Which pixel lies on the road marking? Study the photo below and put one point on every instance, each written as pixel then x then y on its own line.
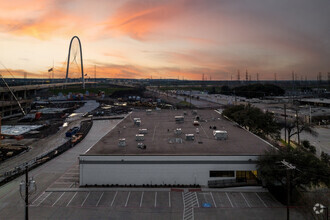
pixel 230 201
pixel 246 200
pixel 169 199
pixel 129 193
pixel 261 200
pixel 141 199
pixel 58 199
pixel 38 198
pixel 155 199
pixel 44 198
pixel 204 132
pixel 153 136
pixel 113 200
pixel 85 199
pixel 71 199
pixel 215 205
pixel 99 199
pixel 197 199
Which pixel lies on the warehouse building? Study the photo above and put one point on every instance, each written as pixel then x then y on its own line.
pixel 173 147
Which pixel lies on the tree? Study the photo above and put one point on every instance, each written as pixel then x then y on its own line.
pixel 325 158
pixel 310 171
pixel 295 127
pixel 254 120
pixel 305 144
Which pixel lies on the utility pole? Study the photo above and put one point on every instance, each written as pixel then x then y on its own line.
pixel 288 168
pixel 297 121
pixel 285 123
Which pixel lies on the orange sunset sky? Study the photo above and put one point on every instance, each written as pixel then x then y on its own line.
pixel 167 39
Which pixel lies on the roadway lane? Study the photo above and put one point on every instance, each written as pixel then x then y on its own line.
pixel 11 204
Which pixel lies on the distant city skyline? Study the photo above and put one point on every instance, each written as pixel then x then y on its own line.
pixel 179 39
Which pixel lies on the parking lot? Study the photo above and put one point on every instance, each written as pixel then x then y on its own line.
pixel 154 199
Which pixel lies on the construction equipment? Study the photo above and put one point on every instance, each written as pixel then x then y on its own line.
pixel 19 104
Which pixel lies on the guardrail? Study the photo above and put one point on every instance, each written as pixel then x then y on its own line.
pixel 5 177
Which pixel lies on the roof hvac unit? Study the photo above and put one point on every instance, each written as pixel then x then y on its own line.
pixel 139 137
pixel 143 131
pixel 220 135
pixel 122 142
pixel 179 119
pixel 141 146
pixel 148 111
pixel 178 131
pixel 137 121
pixel 190 137
pixel 196 123
pixel 194 112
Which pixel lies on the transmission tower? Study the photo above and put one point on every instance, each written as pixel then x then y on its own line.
pixel 238 76
pixel 246 76
pixel 257 77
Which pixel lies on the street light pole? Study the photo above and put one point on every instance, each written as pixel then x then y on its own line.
pixel 29 187
pixel 26 193
pixel 288 167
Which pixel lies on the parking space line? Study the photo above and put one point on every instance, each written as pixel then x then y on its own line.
pixel 129 193
pixel 245 200
pixel 85 199
pixel 113 200
pixel 58 199
pixel 71 199
pixel 44 198
pixel 38 198
pixel 230 201
pixel 197 199
pixel 169 199
pixel 99 199
pixel 215 205
pixel 141 199
pixel 155 199
pixel 261 200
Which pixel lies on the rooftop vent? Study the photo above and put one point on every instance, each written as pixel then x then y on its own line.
pixel 190 137
pixel 122 142
pixel 141 146
pixel 137 121
pixel 179 119
pixel 143 131
pixel 175 141
pixel 220 135
pixel 148 111
pixel 196 123
pixel 178 131
pixel 139 137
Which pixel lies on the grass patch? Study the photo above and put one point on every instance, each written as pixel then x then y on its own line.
pixel 185 104
pixel 107 90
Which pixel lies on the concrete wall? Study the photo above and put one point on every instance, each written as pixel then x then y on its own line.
pixel 158 169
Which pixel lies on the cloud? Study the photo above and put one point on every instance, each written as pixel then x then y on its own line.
pixel 18 73
pixel 139 19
